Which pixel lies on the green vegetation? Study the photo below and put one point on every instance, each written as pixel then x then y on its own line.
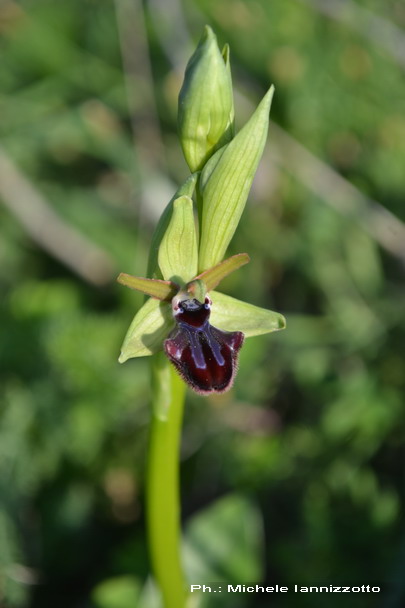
pixel 307 449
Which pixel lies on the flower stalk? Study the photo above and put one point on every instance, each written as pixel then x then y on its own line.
pixel 162 491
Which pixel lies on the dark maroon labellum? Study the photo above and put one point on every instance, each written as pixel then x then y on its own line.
pixel 205 356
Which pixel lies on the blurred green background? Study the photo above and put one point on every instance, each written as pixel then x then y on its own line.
pixel 297 475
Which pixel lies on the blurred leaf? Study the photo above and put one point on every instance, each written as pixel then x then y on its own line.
pixel 224 543
pixel 119 592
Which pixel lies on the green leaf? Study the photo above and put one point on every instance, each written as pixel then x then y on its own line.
pixel 151 596
pixel 225 191
pixel 117 592
pixel 224 543
pixel 230 314
pixel 178 251
pixel 213 276
pixel 151 325
pixel 187 188
pixel 206 114
pixel 161 290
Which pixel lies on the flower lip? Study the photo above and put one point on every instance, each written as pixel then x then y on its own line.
pixel 205 356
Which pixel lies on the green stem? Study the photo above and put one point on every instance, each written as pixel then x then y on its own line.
pixel 163 508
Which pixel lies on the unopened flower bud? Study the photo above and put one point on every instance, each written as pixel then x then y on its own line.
pixel 206 113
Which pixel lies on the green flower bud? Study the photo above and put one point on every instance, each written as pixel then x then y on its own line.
pixel 178 251
pixel 185 189
pixel 206 113
pixel 225 184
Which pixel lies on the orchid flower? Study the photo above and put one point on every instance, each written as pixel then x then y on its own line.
pixel 202 330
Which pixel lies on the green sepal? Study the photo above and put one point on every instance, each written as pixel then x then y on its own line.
pixel 149 328
pixel 213 276
pixel 205 117
pixel 161 290
pixel 230 314
pixel 178 251
pixel 225 190
pixel 187 188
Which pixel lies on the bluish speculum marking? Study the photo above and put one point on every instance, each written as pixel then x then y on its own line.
pixel 206 357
